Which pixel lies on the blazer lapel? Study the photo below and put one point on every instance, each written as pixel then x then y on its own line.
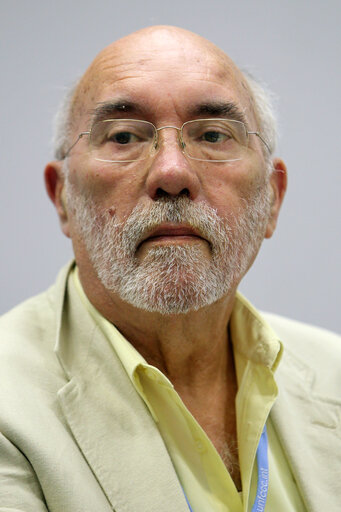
pixel 308 426
pixel 110 422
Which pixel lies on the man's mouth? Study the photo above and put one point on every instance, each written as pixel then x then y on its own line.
pixel 172 233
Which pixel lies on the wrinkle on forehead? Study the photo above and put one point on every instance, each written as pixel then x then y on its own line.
pixel 153 50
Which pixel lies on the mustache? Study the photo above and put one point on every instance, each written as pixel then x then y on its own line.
pixel 178 210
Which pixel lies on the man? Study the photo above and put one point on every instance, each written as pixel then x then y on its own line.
pixel 142 381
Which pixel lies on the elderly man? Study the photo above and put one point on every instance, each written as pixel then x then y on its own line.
pixel 142 380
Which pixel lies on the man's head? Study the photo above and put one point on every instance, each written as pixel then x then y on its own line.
pixel 167 233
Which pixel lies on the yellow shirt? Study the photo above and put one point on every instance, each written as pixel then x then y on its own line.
pixel 203 476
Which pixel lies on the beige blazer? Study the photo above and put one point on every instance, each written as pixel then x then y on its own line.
pixel 75 436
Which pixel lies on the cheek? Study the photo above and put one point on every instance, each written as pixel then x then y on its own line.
pixel 108 186
pixel 228 187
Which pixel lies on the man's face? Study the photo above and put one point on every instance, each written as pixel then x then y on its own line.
pixel 166 234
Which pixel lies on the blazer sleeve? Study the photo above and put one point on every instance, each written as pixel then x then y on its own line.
pixel 19 487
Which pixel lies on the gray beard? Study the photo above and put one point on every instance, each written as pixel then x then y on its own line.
pixel 171 279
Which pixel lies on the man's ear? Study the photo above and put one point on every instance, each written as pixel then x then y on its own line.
pixel 54 183
pixel 278 185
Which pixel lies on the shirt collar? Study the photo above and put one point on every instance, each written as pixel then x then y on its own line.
pixel 252 337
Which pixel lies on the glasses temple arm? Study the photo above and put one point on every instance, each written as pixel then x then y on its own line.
pixel 73 145
pixel 261 138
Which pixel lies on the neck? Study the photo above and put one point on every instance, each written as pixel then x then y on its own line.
pixel 188 348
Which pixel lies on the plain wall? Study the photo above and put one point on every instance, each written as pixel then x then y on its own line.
pixel 294 46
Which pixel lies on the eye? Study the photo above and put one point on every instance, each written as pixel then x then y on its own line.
pixel 214 137
pixel 123 137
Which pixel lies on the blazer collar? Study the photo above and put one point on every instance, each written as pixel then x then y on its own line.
pixel 308 426
pixel 109 421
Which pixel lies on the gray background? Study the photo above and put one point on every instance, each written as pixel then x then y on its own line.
pixel 294 46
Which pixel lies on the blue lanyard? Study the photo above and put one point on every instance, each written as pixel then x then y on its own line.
pixel 263 475
pixel 189 506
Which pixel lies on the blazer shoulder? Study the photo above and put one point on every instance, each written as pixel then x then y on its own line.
pixel 293 331
pixel 27 317
pixel 36 315
pixel 307 347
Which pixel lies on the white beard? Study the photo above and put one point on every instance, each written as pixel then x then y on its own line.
pixel 171 279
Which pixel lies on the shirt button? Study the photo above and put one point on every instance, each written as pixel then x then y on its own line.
pixel 200 446
pixel 151 374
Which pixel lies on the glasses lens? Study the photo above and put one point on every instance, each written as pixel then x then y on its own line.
pixel 121 140
pixel 215 139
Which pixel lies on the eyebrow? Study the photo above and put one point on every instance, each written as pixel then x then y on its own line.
pixel 107 109
pixel 226 109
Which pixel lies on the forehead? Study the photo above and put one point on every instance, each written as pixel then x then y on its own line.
pixel 164 71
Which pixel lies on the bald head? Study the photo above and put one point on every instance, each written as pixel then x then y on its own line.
pixel 159 46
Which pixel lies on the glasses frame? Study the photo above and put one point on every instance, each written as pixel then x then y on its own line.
pixel 180 131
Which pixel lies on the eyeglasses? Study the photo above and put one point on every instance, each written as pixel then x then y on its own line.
pixel 206 140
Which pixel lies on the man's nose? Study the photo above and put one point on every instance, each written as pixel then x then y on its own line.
pixel 170 172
